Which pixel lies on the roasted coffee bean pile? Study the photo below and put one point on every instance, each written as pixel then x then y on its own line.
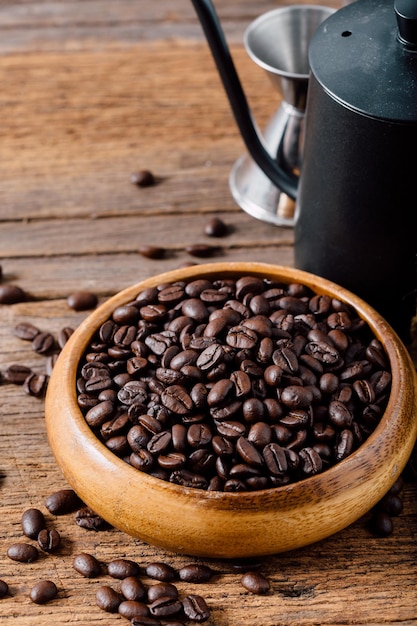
pixel 381 522
pixel 233 385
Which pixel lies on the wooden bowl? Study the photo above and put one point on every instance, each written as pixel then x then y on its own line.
pixel 240 524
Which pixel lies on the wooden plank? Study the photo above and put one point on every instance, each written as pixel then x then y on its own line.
pixel 125 233
pixel 56 141
pixel 45 278
pixel 89 24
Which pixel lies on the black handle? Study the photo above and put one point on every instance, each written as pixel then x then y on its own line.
pixel 206 13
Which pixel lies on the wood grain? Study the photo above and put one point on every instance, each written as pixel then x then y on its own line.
pixel 91 91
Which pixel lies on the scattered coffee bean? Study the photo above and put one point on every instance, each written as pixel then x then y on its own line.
pixel 11 294
pixel 87 565
pixel 195 608
pixel 123 568
pixel 381 524
pixel 22 552
pixel 165 607
pixel 33 521
pixel 107 599
pixel 250 565
pixel 49 540
pixel 87 518
pixel 195 573
pixel 63 335
pixel 26 331
pixel 50 362
pixel 82 300
pixel 161 571
pixel 143 178
pixel 4 589
pixel 44 591
pixel 216 228
pixel 391 504
pixel 130 609
pixel 63 501
pixel 152 252
pixel 255 582
pixel 36 385
pixel 43 343
pixel 16 374
pixel 162 590
pixel 133 588
pixel 201 250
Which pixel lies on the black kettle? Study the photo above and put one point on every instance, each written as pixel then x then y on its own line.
pixel 356 196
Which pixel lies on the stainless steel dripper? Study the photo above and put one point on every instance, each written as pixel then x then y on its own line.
pixel 278 41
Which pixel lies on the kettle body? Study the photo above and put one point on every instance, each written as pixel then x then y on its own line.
pixel 356 215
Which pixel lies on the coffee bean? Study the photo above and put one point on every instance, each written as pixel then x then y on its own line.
pixel 162 590
pixel 195 608
pixel 123 568
pixel 22 552
pixel 87 565
pixel 195 573
pixel 11 294
pixel 43 592
pixel 131 608
pixel 247 565
pixel 62 502
pixel 63 335
pixel 381 524
pixel 311 461
pixel 36 385
pixel 26 331
pixel 392 504
pixel 43 343
pixel 4 589
pixel 143 178
pixel 255 582
pixel 161 571
pixel 165 607
pixel 49 540
pixel 87 518
pixel 50 362
pixel 201 250
pixel 152 252
pixel 132 588
pixel 215 227
pixel 107 599
pixel 33 521
pixel 16 374
pixel 82 300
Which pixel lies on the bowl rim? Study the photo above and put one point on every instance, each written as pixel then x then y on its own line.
pixel 337 474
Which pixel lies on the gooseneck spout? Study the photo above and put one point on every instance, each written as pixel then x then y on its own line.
pixel 286 181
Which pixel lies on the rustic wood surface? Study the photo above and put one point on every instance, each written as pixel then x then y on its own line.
pixel 92 91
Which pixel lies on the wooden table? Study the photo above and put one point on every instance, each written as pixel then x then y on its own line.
pixel 92 91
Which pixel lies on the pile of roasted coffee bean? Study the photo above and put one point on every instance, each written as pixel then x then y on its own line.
pixel 233 385
pixel 49 346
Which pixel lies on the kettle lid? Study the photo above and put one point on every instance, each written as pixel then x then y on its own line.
pixel 365 56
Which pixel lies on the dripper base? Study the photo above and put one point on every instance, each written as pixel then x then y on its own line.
pixel 257 195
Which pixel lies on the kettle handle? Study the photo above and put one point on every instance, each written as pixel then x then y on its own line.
pixel 286 181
